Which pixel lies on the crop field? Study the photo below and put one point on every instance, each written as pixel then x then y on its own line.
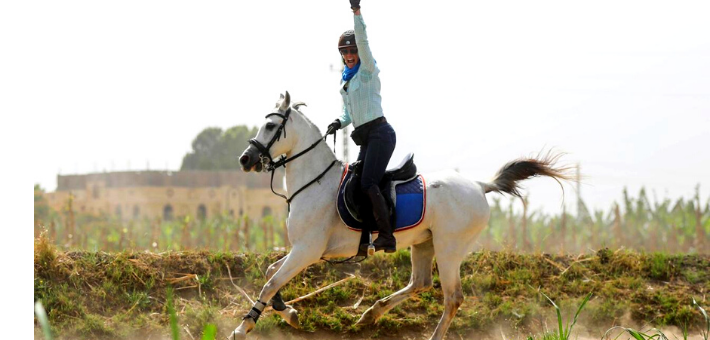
pixel 125 295
pixel 638 223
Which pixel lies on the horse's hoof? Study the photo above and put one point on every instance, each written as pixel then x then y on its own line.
pixel 367 318
pixel 237 336
pixel 292 318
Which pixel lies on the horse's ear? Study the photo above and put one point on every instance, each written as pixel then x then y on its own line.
pixel 285 102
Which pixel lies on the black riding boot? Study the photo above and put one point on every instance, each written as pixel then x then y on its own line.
pixel 385 241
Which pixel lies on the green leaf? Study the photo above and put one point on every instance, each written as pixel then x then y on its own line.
pixel 707 320
pixel 637 335
pixel 43 320
pixel 574 321
pixel 210 332
pixel 175 332
pixel 559 317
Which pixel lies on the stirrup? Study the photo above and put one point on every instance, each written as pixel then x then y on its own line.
pixel 366 249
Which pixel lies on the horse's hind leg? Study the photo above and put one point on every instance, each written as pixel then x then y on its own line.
pixel 422 256
pixel 449 262
pixel 288 313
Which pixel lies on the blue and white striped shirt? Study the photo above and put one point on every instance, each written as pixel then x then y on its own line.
pixel 362 101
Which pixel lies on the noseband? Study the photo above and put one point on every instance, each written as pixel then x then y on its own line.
pixel 264 150
pixel 272 166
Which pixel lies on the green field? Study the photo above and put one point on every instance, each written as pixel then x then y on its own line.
pixel 90 295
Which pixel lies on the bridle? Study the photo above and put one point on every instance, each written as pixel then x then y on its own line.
pixel 283 160
pixel 264 150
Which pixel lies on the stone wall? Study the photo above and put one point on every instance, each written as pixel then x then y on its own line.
pixel 166 195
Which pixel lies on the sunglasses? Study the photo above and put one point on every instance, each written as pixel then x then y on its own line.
pixel 345 51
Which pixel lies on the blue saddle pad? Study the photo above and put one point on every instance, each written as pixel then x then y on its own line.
pixel 410 205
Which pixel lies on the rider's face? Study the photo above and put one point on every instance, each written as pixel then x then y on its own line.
pixel 350 56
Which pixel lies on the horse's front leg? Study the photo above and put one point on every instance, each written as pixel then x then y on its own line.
pixel 297 260
pixel 288 313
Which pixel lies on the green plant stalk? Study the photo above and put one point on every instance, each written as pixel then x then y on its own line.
pixel 43 320
pixel 636 334
pixel 574 320
pixel 175 332
pixel 210 332
pixel 705 332
pixel 565 333
pixel 561 333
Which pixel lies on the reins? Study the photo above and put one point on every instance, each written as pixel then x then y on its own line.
pixel 345 261
pixel 281 162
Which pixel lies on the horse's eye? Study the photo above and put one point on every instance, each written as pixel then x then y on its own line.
pixel 270 126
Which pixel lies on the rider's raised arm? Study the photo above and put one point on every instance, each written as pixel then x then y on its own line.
pixel 363 47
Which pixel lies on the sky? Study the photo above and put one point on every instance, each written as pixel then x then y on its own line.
pixel 623 88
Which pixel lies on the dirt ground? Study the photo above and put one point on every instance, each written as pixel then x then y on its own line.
pixel 127 295
pixel 580 333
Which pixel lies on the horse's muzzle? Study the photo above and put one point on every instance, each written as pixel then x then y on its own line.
pixel 250 160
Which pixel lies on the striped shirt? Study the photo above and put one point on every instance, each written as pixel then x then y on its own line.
pixel 362 101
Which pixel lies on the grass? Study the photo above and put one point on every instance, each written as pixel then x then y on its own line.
pixel 172 316
pixel 208 333
pixel 43 320
pixel 706 331
pixel 651 334
pixel 564 332
pixel 91 295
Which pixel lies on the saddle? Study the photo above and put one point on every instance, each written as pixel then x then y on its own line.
pixel 356 201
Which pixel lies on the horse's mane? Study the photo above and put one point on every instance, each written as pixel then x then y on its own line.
pixel 296 106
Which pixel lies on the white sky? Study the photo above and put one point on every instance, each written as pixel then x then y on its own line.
pixel 623 87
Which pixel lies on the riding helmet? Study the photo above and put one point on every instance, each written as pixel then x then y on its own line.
pixel 347 39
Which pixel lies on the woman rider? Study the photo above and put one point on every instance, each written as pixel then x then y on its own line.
pixel 360 88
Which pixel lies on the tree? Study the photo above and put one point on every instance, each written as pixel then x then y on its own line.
pixel 214 149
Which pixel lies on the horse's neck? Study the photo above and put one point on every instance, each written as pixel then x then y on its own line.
pixel 308 166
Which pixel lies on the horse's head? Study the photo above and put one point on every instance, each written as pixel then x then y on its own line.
pixel 271 140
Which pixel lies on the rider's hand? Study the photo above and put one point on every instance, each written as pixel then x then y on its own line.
pixel 334 126
pixel 355 4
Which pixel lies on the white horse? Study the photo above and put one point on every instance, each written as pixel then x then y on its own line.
pixel 456 212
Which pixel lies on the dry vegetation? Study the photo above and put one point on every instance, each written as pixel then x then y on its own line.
pixel 91 295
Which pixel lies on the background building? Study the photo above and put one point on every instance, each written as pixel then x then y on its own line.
pixel 132 195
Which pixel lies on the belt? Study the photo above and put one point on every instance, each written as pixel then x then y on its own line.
pixel 374 122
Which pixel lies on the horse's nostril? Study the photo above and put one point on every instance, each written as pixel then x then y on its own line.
pixel 244 160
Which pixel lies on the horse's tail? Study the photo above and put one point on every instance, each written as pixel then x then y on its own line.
pixel 523 168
